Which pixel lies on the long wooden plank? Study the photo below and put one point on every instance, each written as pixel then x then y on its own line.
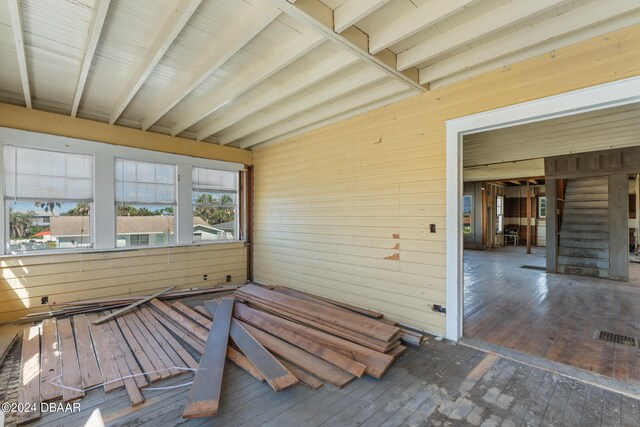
pixel 89 369
pixel 362 340
pixel 130 307
pixel 104 355
pixel 300 341
pixel 71 376
pixel 29 389
pixel 304 377
pixel 120 358
pixel 376 362
pixel 196 316
pixel 132 364
pixel 8 337
pixel 204 397
pixel 193 342
pixel 150 344
pixel 188 324
pixel 202 317
pixel 327 301
pixel 352 321
pixel 314 365
pixel 276 375
pixel 158 338
pixel 239 359
pixel 148 360
pixel 149 320
pixel 50 364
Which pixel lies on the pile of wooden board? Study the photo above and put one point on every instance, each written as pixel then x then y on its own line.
pixel 279 336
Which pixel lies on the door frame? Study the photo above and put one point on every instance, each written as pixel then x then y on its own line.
pixel 613 94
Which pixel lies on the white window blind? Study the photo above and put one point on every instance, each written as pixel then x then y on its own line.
pixel 47 175
pixel 210 180
pixel 145 183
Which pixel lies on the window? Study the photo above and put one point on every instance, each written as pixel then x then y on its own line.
pixel 500 214
pixel 145 203
pixel 467 208
pixel 542 207
pixel 48 196
pixel 215 204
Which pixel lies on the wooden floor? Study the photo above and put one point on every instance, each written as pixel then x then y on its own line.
pixel 549 315
pixel 439 384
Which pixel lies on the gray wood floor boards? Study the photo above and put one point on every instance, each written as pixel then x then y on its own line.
pixel 438 385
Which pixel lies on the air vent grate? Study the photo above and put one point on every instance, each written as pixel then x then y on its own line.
pixel 616 338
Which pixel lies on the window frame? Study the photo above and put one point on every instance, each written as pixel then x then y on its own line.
pixel 103 207
pixel 236 216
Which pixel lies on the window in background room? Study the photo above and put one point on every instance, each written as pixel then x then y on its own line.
pixel 467 208
pixel 145 203
pixel 215 205
pixel 500 213
pixel 542 207
pixel 48 198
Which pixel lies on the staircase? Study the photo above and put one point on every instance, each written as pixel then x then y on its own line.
pixel 584 231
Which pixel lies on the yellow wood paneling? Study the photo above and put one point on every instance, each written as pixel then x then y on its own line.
pixel 344 211
pixel 72 277
pixel 12 116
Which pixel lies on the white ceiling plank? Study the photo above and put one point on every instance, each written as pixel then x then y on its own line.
pixel 353 11
pixel 317 15
pixel 496 20
pixel 340 117
pixel 18 38
pixel 544 48
pixel 243 32
pixel 337 89
pixel 179 17
pixel 361 99
pixel 316 73
pixel 580 18
pixel 252 76
pixel 97 22
pixel 407 25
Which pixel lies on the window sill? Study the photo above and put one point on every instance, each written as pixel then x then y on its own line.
pixel 115 250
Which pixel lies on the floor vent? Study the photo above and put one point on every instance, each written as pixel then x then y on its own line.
pixel 534 267
pixel 616 338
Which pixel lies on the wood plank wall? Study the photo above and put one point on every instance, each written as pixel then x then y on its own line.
pixel 71 277
pixel 344 211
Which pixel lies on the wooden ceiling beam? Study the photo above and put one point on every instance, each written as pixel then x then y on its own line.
pixel 579 18
pixel 348 84
pixel 15 14
pixel 353 11
pixel 299 82
pixel 216 56
pixel 249 78
pixel 363 99
pixel 481 26
pixel 97 22
pixel 316 14
pixel 418 19
pixel 164 38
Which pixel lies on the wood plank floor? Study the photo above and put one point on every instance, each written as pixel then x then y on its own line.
pixel 551 315
pixel 439 384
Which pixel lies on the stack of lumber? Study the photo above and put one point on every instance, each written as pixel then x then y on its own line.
pixel 278 336
pixel 93 305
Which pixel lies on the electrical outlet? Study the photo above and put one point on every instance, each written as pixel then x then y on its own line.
pixel 432 228
pixel 205 277
pixel 228 278
pixel 438 308
pixel 44 300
